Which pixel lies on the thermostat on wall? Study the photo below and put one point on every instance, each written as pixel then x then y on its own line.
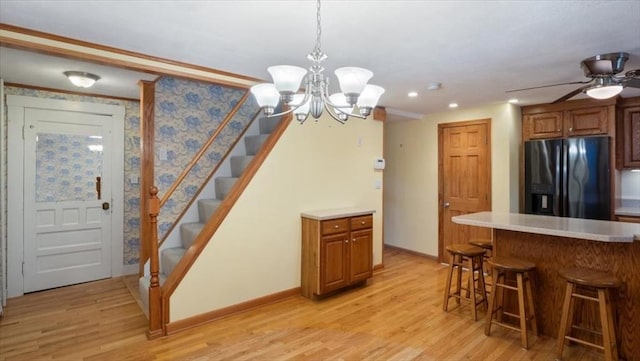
pixel 378 163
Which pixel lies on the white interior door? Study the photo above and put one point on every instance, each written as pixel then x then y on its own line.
pixel 67 198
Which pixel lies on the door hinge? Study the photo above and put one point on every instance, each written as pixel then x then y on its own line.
pixel 22 268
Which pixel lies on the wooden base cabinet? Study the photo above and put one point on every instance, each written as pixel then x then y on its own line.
pixel 336 252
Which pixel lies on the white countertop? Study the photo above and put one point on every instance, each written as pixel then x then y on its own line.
pixel 604 231
pixel 324 214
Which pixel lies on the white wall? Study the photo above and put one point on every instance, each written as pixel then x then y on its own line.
pixel 256 251
pixel 411 176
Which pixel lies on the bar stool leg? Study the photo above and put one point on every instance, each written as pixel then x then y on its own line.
pixel 532 311
pixel 523 314
pixel 492 303
pixel 447 288
pixel 471 288
pixel 606 317
pixel 566 317
pixel 458 259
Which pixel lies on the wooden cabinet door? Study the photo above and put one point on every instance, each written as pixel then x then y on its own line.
pixel 587 121
pixel 629 219
pixel 543 125
pixel 631 138
pixel 360 259
pixel 334 273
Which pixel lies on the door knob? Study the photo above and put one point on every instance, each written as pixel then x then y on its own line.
pixel 105 206
pixel 446 204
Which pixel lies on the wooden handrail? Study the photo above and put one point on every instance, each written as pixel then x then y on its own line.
pixel 203 149
pixel 155 292
pixel 200 242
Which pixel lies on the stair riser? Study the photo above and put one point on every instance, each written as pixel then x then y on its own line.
pixel 206 209
pixel 239 164
pixel 223 186
pixel 268 125
pixel 189 232
pixel 254 142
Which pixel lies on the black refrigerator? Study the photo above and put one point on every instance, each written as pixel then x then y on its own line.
pixel 568 177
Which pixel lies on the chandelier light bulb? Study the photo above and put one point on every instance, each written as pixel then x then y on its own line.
pixel 369 98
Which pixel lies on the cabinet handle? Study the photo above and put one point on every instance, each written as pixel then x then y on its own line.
pixel 346 241
pixel 362 223
pixel 336 226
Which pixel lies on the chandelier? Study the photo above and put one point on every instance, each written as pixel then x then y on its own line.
pixel 287 80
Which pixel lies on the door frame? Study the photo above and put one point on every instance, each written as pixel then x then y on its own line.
pixel 15 197
pixel 441 127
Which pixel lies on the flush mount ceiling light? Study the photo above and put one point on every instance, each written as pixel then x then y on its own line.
pixel 604 88
pixel 81 79
pixel 287 80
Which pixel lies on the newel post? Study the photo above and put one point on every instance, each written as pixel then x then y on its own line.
pixel 155 295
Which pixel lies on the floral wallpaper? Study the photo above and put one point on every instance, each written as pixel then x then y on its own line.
pixel 131 161
pixel 186 114
pixel 67 166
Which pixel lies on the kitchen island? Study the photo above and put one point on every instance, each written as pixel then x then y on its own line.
pixel 553 243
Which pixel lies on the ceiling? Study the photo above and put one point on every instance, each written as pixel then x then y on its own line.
pixel 476 49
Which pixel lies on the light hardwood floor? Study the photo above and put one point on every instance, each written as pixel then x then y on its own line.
pixel 397 316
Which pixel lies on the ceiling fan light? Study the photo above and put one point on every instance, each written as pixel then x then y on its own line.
pixel 604 92
pixel 81 79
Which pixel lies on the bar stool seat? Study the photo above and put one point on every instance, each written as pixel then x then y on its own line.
pixel 602 283
pixel 526 312
pixel 470 256
pixel 485 244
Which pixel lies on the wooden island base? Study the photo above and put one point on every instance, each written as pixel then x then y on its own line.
pixel 551 253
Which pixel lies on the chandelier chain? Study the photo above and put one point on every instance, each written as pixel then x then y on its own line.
pixel 319 29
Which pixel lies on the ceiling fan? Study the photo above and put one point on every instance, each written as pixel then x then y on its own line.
pixel 604 83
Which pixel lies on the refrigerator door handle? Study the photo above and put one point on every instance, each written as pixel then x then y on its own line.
pixel 563 155
pixel 558 181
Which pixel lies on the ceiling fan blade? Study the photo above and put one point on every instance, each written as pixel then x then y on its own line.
pixel 547 86
pixel 633 82
pixel 569 95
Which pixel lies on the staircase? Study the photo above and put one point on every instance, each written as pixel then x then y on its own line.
pixel 206 207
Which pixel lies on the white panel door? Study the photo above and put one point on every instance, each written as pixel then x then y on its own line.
pixel 67 198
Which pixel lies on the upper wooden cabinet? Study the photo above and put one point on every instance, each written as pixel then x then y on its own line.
pixel 563 123
pixel 543 125
pixel 629 138
pixel 586 121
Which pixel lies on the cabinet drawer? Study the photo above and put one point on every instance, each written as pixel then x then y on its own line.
pixel 361 222
pixel 335 225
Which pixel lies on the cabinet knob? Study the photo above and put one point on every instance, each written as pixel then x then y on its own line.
pixel 362 223
pixel 346 241
pixel 354 239
pixel 336 226
pixel 571 129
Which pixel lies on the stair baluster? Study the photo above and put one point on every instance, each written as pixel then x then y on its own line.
pixel 155 292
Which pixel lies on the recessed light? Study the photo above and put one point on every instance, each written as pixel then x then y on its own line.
pixel 453 105
pixel 412 94
pixel 513 101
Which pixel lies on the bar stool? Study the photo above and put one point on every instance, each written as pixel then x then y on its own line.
pixel 580 279
pixel 485 244
pixel 471 257
pixel 521 268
